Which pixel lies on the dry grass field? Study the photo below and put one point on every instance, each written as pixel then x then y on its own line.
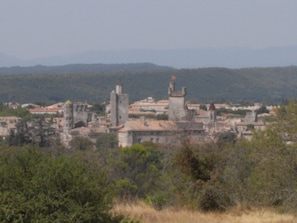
pixel 147 214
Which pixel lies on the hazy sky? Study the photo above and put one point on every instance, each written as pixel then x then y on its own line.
pixel 42 28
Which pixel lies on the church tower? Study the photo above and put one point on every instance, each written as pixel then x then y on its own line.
pixel 176 101
pixel 119 103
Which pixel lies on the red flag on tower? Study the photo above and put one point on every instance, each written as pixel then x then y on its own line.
pixel 173 77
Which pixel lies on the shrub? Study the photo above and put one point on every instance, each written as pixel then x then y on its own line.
pixel 39 187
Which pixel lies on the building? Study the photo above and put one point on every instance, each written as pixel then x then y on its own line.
pixel 8 125
pixel 77 118
pixel 159 131
pixel 150 105
pixel 177 109
pixel 46 110
pixel 185 123
pixel 246 127
pixel 119 103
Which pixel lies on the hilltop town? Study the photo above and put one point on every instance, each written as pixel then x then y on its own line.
pixel 170 121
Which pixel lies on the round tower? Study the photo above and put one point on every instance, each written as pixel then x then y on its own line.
pixel 68 117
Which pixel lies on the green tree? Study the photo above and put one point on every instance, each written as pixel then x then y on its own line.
pixel 33 130
pixel 138 171
pixel 106 141
pixel 162 117
pixel 203 107
pixel 275 149
pixel 262 109
pixel 81 143
pixel 226 137
pixel 98 108
pixel 196 169
pixel 40 187
pixel 19 112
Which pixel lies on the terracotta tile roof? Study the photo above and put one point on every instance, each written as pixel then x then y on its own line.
pixel 81 130
pixel 46 110
pixel 202 112
pixel 149 125
pixel 250 123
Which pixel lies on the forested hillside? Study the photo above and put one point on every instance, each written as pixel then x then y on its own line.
pixel 204 84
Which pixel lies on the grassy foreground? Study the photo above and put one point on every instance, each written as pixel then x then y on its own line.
pixel 147 214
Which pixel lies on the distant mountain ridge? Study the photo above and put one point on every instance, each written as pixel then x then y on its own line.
pixel 272 84
pixel 230 57
pixel 81 68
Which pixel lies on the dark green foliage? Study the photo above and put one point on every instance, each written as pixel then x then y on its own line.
pixel 228 137
pixel 39 187
pixel 138 171
pixel 240 112
pixel 262 110
pixel 19 112
pixel 81 68
pixel 204 84
pixel 162 117
pixel 81 143
pixel 98 109
pixel 33 130
pixel 21 136
pixel 150 116
pixel 203 107
pixel 146 116
pixel 106 141
pixel 198 168
pixel 197 186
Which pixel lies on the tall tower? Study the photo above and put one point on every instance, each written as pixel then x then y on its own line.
pixel 68 117
pixel 80 113
pixel 119 103
pixel 176 102
pixel 212 112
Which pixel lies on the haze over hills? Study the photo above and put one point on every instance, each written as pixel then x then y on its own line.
pixel 92 75
pixel 234 57
pixel 81 68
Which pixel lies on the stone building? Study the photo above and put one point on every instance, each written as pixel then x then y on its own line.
pixel 212 112
pixel 8 125
pixel 251 116
pixel 76 120
pixel 68 117
pixel 75 115
pixel 172 131
pixel 119 103
pixel 159 131
pixel 177 109
pixel 246 127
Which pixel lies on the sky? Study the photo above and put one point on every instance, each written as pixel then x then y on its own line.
pixel 44 28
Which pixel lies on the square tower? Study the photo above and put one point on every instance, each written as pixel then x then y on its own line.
pixel 119 103
pixel 176 102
